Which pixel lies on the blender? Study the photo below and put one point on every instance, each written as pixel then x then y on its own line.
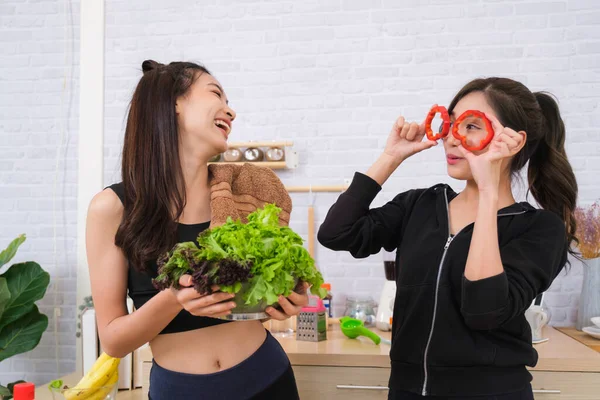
pixel 383 320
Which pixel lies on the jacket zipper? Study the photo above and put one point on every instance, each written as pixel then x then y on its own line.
pixel 437 286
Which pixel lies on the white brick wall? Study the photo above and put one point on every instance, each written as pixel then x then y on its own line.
pixel 34 114
pixel 330 75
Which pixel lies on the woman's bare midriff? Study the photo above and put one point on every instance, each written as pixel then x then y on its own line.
pixel 208 350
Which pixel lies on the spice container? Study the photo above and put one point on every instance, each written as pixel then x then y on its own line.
pixel 327 299
pixel 275 154
pixel 232 155
pixel 283 328
pixel 361 308
pixel 253 154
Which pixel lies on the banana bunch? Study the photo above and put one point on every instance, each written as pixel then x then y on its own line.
pixel 98 381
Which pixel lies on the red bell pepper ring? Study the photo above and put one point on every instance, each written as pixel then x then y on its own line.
pixel 445 124
pixel 463 140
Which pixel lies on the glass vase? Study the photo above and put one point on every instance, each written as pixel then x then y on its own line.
pixel 589 302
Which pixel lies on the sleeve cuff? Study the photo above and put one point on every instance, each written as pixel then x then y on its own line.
pixel 485 296
pixel 363 188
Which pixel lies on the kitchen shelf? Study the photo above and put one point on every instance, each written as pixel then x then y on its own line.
pixel 290 160
pixel 264 143
pixel 315 189
pixel 269 164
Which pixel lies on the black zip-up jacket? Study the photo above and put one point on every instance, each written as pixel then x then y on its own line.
pixel 452 336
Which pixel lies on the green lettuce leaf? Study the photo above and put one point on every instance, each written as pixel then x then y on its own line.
pixel 275 253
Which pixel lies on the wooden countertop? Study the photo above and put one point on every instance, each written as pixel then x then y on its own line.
pixel 582 338
pixel 338 350
pixel 560 353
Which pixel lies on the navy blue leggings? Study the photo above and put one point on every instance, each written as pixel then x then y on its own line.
pixel 266 374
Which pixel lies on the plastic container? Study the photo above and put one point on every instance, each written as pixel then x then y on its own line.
pixel 283 328
pixel 327 299
pixel 361 308
pixel 24 391
pixel 111 392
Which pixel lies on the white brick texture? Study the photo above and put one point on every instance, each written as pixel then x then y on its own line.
pixel 331 75
pixel 38 126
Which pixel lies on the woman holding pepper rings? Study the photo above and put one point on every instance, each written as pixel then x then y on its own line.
pixel 468 264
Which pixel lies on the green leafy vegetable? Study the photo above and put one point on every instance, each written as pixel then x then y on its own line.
pixel 270 257
pixel 56 384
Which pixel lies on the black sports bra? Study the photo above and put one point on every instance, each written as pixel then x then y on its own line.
pixel 139 284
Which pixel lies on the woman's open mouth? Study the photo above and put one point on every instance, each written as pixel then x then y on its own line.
pixel 223 127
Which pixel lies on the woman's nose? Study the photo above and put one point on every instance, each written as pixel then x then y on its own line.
pixel 451 140
pixel 231 113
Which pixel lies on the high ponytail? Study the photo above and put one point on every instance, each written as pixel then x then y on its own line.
pixel 551 179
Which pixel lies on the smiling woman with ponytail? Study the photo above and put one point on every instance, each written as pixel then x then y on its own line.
pixel 468 264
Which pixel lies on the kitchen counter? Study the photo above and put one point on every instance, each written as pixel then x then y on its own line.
pixel 338 350
pixel 582 337
pixel 357 368
pixel 559 353
pixel 341 368
pixel 562 353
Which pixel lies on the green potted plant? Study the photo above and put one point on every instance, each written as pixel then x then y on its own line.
pixel 21 323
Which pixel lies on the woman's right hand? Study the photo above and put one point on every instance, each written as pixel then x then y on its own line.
pixel 406 139
pixel 208 305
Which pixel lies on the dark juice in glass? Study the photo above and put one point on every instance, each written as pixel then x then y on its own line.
pixel 390 270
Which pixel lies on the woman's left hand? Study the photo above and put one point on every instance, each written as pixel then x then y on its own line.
pixel 487 167
pixel 291 305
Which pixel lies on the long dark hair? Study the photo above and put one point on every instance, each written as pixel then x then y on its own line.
pixel 151 170
pixel 550 175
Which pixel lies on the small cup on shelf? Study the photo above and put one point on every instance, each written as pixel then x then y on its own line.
pixel 253 154
pixel 232 155
pixel 275 154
